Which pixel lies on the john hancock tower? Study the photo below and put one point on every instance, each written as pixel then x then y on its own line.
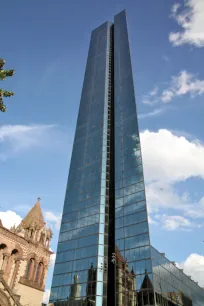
pixel 104 256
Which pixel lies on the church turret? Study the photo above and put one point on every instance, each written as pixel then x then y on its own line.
pixel 33 227
pixel 24 258
pixel 75 290
pixel 34 218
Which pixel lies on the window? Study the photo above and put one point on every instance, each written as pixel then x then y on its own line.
pixel 2 246
pixel 31 233
pixel 39 272
pixel 29 268
pixel 42 238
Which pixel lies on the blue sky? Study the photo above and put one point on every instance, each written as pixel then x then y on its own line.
pixel 47 44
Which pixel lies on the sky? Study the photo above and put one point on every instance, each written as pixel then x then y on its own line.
pixel 46 42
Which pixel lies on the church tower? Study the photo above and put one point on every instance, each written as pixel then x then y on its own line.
pixel 24 259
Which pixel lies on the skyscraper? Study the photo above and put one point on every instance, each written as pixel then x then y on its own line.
pixel 104 256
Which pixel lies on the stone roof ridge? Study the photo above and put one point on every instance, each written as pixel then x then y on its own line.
pixel 34 218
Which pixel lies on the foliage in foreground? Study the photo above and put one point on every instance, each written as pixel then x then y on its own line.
pixel 3 75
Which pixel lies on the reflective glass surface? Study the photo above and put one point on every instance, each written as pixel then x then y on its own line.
pixel 131 225
pixel 173 284
pixel 104 255
pixel 83 240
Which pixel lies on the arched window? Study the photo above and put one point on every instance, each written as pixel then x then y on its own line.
pixel 2 246
pixel 2 250
pixel 29 268
pixel 39 273
pixel 14 252
pixel 47 242
pixel 31 233
pixel 11 261
pixel 42 238
pixel 14 266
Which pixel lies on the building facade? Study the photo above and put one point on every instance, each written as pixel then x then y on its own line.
pixel 104 256
pixel 24 260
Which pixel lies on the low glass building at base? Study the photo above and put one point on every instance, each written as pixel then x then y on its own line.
pixel 164 285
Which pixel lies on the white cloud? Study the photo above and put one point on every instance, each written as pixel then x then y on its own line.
pixel 194 267
pixel 155 112
pixel 175 8
pixel 10 218
pixel 191 21
pixel 154 92
pixel 17 138
pixel 170 158
pixel 162 195
pixel 172 223
pixel 46 296
pixel 52 259
pixel 52 218
pixel 167 95
pixel 185 134
pixel 184 83
pixel 150 99
pixel 196 210
pixel 152 221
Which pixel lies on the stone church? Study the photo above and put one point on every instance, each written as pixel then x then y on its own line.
pixel 24 259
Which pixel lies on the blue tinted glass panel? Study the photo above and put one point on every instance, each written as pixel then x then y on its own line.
pixel 131 225
pixel 82 235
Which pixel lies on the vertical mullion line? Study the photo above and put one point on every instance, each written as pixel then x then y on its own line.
pixel 113 157
pixel 111 218
pixel 100 260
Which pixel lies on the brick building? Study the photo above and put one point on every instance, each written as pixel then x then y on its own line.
pixel 24 259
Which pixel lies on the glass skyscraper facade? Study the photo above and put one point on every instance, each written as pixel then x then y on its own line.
pixel 104 256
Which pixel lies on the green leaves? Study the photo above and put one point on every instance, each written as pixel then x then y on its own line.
pixel 6 93
pixel 2 106
pixel 2 63
pixel 3 75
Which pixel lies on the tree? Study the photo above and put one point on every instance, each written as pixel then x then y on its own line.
pixel 3 75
